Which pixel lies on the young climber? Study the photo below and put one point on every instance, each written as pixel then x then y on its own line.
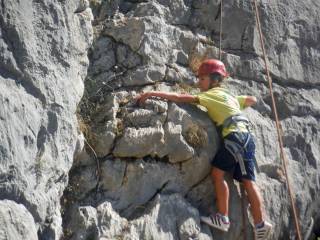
pixel 236 154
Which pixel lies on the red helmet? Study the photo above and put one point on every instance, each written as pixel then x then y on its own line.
pixel 212 66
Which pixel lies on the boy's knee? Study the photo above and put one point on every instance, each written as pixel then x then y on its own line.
pixel 249 184
pixel 217 174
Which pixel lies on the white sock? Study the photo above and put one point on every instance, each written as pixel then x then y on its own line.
pixel 260 225
pixel 225 219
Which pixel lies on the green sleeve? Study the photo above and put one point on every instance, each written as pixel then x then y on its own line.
pixel 241 100
pixel 200 98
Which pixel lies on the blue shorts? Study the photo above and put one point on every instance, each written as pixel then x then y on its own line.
pixel 225 161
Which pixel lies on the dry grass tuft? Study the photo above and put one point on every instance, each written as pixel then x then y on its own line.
pixel 196 136
pixel 83 126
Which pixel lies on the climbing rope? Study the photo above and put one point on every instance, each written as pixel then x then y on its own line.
pixel 278 126
pixel 220 30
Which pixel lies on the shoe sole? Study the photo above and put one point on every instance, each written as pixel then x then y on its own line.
pixel 267 235
pixel 214 226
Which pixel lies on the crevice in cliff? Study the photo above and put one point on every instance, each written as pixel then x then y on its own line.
pixel 293 83
pixel 140 209
pixel 33 90
pixel 282 82
pixel 196 185
pixel 125 177
pixel 243 53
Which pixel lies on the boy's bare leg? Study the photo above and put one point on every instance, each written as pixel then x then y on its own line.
pixel 221 191
pixel 255 200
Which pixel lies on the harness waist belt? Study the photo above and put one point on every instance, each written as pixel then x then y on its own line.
pixel 235 119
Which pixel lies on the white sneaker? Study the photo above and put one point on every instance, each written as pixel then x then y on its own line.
pixel 263 232
pixel 216 222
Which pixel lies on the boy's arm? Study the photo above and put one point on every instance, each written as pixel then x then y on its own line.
pixel 174 97
pixel 246 101
pixel 249 101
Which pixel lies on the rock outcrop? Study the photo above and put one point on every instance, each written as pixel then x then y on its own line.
pixel 143 171
pixel 43 65
pixel 162 149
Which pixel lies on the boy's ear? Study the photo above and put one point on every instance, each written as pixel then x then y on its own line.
pixel 216 77
pixel 213 83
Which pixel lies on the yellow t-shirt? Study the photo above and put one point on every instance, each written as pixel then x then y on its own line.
pixel 221 104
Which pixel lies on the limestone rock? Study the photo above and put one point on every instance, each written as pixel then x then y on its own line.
pixel 103 138
pixel 139 143
pixel 166 217
pixel 84 223
pixel 43 64
pixel 164 148
pixel 154 156
pixel 16 222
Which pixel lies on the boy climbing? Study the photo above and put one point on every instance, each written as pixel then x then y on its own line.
pixel 236 154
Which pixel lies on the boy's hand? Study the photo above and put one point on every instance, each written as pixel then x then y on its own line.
pixel 141 98
pixel 250 101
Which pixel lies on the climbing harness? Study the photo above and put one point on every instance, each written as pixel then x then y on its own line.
pixel 234 119
pixel 235 148
pixel 238 152
pixel 278 126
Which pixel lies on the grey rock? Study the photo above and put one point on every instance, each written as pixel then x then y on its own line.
pixel 182 58
pixel 103 138
pixel 84 223
pixel 110 223
pixel 107 110
pixel 179 152
pixel 105 9
pixel 166 217
pixel 176 13
pixel 293 40
pixel 117 29
pixel 164 148
pixel 170 218
pixel 84 179
pixel 43 65
pixel 156 106
pixel 180 140
pixel 113 175
pixel 154 46
pixel 139 143
pixel 143 75
pixel 179 74
pixel 103 56
pixel 150 151
pixel 127 58
pixel 144 118
pixel 81 156
pixel 16 222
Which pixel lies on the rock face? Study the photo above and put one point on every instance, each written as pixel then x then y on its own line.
pixel 143 172
pixel 162 149
pixel 16 221
pixel 43 64
pixel 168 217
